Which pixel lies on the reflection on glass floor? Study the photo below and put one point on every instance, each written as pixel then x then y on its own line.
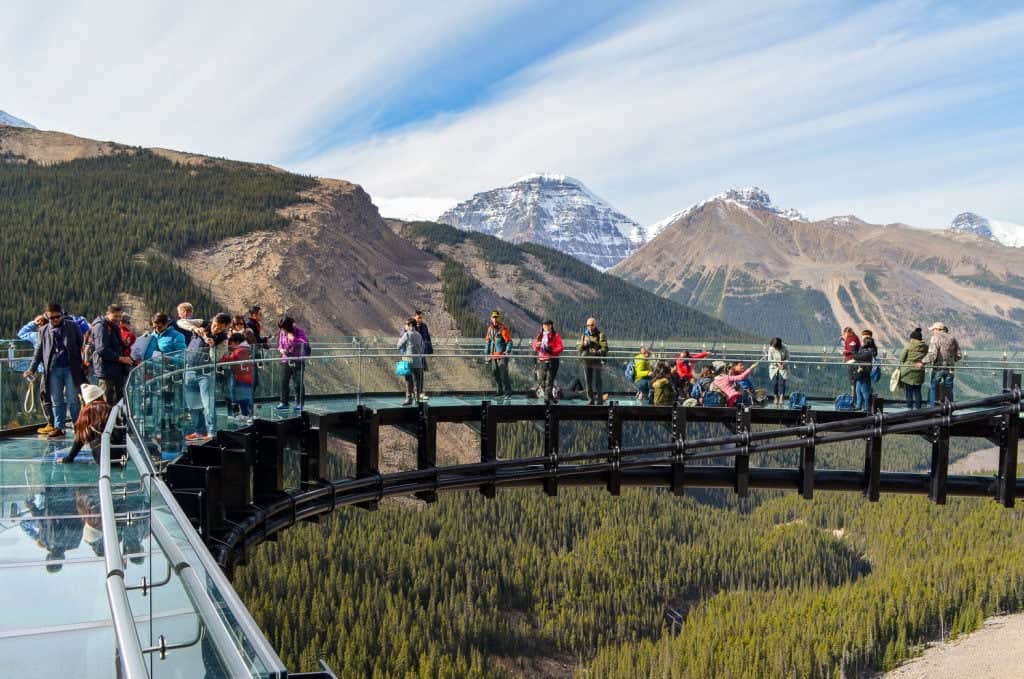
pixel 57 617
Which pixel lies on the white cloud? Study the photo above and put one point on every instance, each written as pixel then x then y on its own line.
pixel 661 114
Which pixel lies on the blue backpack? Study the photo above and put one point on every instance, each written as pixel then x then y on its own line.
pixel 797 400
pixel 631 371
pixel 712 399
pixel 844 402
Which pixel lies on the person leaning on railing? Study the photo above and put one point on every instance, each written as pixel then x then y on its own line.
pixel 498 345
pixel 943 354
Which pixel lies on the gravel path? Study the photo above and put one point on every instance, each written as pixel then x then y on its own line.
pixel 996 651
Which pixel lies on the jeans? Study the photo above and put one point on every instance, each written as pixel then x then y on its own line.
pixel 546 372
pixel 63 395
pixel 499 366
pixel 414 382
pixel 779 385
pixel 913 394
pixel 292 373
pixel 863 394
pixel 943 377
pixel 592 372
pixel 241 394
pixel 199 401
pixel 643 385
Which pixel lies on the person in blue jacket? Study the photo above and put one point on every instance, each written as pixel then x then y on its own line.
pixel 166 339
pixel 30 333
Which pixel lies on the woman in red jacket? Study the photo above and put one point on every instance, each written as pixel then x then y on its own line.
pixel 684 370
pixel 548 345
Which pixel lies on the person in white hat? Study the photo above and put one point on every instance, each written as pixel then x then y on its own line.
pixel 90 423
pixel 943 354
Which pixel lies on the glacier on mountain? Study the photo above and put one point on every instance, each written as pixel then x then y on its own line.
pixel 1006 233
pixel 553 210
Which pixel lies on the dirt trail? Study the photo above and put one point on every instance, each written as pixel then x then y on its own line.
pixel 996 651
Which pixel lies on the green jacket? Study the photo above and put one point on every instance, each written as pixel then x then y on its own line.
pixel 642 366
pixel 909 373
pixel 664 394
pixel 593 346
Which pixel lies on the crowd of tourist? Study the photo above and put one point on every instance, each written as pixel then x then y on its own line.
pixel 84 366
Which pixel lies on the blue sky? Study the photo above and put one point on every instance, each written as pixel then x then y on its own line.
pixel 894 111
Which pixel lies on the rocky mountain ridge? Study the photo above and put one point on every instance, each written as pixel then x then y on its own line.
pixel 1006 233
pixel 551 210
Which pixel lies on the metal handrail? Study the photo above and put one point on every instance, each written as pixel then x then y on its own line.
pixel 133 662
pixel 197 593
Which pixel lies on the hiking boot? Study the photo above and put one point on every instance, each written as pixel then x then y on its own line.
pixel 45 430
pixel 282 406
pixel 424 398
pixel 194 436
pixel 407 401
pixel 56 434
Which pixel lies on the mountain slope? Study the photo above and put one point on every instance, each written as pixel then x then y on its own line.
pixel 531 282
pixel 770 274
pixel 551 210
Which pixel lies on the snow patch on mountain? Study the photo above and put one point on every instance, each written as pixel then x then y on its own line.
pixel 8 119
pixel 1007 233
pixel 750 197
pixel 553 210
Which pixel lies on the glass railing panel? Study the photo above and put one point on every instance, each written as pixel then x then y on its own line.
pixel 20 405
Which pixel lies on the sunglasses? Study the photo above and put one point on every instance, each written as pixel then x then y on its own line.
pixel 54 318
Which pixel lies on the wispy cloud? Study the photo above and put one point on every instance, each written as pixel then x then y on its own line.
pixel 896 111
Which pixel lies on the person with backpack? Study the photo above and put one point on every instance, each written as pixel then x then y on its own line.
pixel 864 361
pixel 593 347
pixel 497 347
pixel 911 373
pixel 943 354
pixel 293 345
pixel 549 346
pixel 684 369
pixel 642 374
pixel 110 363
pixel 411 346
pixel 59 352
pixel 778 354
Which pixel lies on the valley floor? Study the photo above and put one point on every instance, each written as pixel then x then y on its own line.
pixel 996 651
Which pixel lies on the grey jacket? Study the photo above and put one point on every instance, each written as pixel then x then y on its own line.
pixel 943 351
pixel 108 348
pixel 411 346
pixel 73 340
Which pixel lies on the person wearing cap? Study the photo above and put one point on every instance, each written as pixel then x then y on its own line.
pixel 428 345
pixel 90 423
pixel 642 374
pixel 943 354
pixel 548 345
pixel 593 347
pixel 498 345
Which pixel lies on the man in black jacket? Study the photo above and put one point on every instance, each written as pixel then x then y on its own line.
pixel 428 347
pixel 60 353
pixel 110 360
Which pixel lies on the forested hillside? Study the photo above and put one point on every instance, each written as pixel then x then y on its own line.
pixel 84 231
pixel 526 586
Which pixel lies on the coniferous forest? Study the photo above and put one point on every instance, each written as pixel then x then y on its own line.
pixel 81 232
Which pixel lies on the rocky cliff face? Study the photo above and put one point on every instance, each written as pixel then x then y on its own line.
pixel 337 267
pixel 764 271
pixel 551 210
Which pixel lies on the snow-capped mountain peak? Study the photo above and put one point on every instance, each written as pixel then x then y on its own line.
pixel 554 210
pixel 750 197
pixel 8 119
pixel 1006 233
